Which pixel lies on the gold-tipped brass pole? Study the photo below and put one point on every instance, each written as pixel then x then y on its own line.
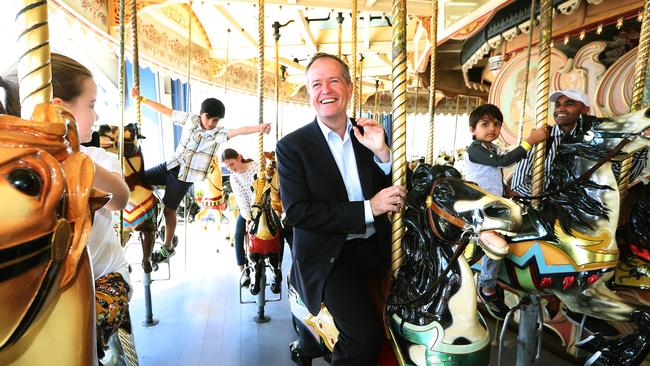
pixel 543 84
pixel 34 70
pixel 361 85
pixel 415 115
pixel 637 90
pixel 526 72
pixel 456 121
pixel 432 79
pixel 225 71
pixel 136 62
pixel 260 84
pixel 376 108
pixel 398 146
pixel 276 36
pixel 122 90
pixel 339 20
pixel 188 95
pixel 355 84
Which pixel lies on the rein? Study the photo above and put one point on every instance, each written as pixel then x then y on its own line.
pixel 584 176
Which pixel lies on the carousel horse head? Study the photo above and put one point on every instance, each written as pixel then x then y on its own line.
pixel 48 200
pixel 432 306
pixel 607 133
pixel 455 206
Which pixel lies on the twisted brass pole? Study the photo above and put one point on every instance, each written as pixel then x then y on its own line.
pixel 260 84
pixel 526 73
pixel 399 125
pixel 122 91
pixel 361 85
pixel 456 121
pixel 225 71
pixel 415 115
pixel 34 69
pixel 374 112
pixel 276 36
pixel 543 84
pixel 188 104
pixel 339 20
pixel 354 60
pixel 432 79
pixel 637 90
pixel 136 62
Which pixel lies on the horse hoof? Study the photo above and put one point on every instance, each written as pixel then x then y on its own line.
pixel 297 355
pixel 276 287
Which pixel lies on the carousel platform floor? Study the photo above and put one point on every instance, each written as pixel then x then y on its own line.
pixel 201 321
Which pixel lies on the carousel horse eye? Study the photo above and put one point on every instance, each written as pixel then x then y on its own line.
pixel 26 181
pixel 589 136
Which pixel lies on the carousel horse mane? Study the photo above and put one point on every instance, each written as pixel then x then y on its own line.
pixel 570 205
pixel 425 257
pixel 636 232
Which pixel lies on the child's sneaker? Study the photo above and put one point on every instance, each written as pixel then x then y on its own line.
pixel 162 254
pixel 245 279
pixel 494 303
pixel 493 244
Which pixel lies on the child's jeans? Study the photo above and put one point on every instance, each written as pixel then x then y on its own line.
pixel 489 272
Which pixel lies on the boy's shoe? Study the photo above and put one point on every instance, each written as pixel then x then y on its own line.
pixel 162 254
pixel 245 279
pixel 494 303
pixel 493 244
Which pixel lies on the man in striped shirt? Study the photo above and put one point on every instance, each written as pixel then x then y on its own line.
pixel 199 143
pixel 569 105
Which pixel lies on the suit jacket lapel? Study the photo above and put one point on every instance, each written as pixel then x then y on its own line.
pixel 323 157
pixel 361 154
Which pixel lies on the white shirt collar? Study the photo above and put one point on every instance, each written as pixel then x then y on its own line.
pixel 326 130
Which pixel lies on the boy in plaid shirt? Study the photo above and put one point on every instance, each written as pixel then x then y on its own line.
pixel 200 140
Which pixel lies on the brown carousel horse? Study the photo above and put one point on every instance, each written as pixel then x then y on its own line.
pixel 140 212
pixel 47 311
pixel 265 240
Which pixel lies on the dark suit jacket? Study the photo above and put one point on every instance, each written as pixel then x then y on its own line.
pixel 317 206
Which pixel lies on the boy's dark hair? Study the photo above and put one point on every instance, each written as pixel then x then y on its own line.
pixel 213 107
pixel 487 109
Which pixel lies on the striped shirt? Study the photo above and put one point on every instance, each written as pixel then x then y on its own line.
pixel 197 147
pixel 522 176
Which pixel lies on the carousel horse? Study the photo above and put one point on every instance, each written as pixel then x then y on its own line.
pixel 213 198
pixel 432 307
pixel 568 248
pixel 140 212
pixel 47 312
pixel 265 232
pixel 634 240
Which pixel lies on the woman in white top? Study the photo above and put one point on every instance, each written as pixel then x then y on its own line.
pixel 241 181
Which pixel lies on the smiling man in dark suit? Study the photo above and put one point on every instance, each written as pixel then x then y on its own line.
pixel 335 187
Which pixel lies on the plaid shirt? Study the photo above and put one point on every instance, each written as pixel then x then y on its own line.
pixel 197 147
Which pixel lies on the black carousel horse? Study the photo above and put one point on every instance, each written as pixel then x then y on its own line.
pixel 568 248
pixel 432 308
pixel 265 233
